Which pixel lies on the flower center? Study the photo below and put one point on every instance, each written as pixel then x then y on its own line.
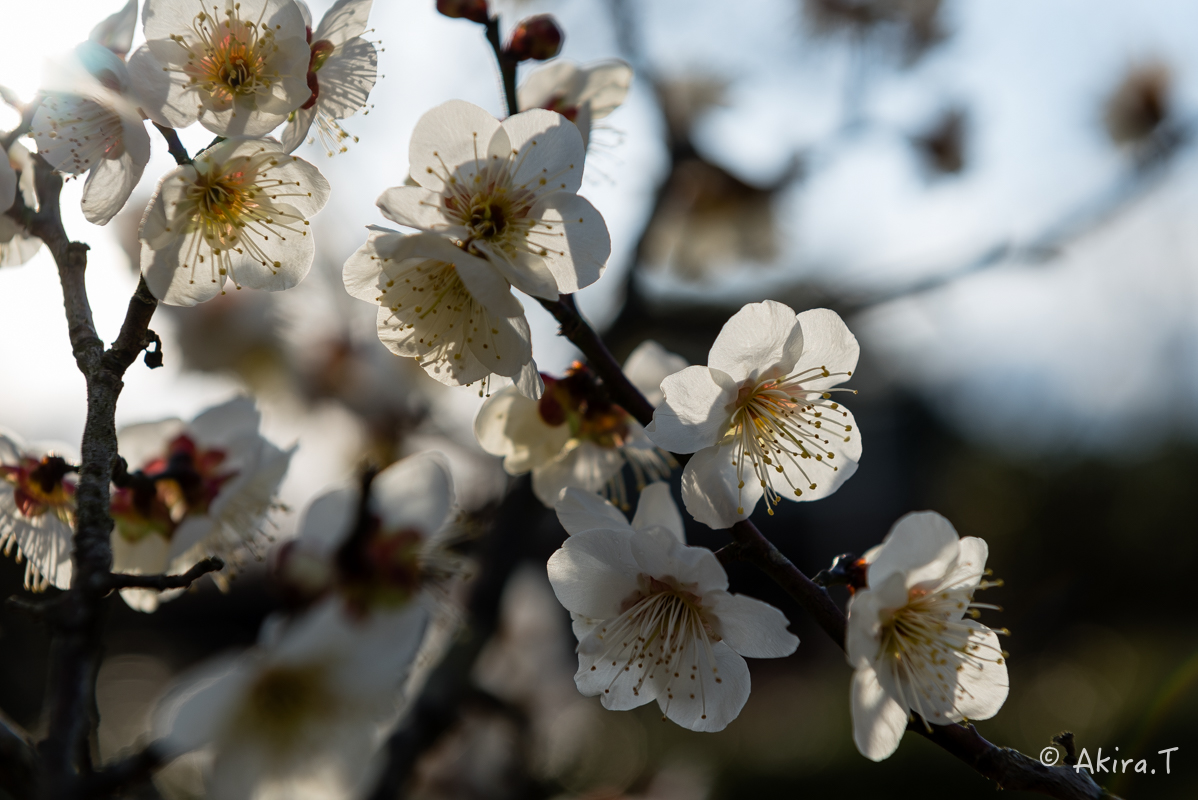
pixel 663 635
pixel 282 699
pixel 926 644
pixel 229 58
pixel 38 486
pixel 222 198
pixel 779 428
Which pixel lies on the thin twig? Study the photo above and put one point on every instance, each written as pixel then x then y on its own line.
pixel 507 66
pixel 173 145
pixel 162 583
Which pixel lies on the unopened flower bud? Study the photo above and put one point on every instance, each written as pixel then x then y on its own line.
pixel 473 10
pixel 538 38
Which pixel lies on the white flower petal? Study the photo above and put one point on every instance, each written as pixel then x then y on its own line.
pixel 761 340
pixel 656 508
pixel 327 521
pixel 717 699
pixel 878 719
pixel 710 489
pixel 604 673
pixel 922 546
pixel 415 492
pixel 509 425
pixel 194 712
pixel 594 572
pixel 983 684
pixel 580 511
pixel 548 147
pixel 146 556
pixel 650 364
pixel 604 86
pixel 752 628
pixel 695 412
pixel 827 343
pixel 969 566
pixel 453 139
pixel 659 554
pixel 866 611
pixel 415 207
pixel 347 78
pixel 296 130
pixel 586 466
pixel 116 31
pixel 573 240
pixel 343 21
pixel 108 186
pixel 528 381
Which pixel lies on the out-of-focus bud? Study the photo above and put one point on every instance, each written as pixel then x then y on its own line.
pixel 1139 105
pixel 473 10
pixel 539 38
pixel 942 146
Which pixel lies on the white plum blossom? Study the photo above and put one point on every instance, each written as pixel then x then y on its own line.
pixel 37 511
pixel 451 311
pixel 653 617
pixel 199 489
pixel 90 120
pixel 582 94
pixel 238 212
pixel 238 66
pixel 342 69
pixel 383 561
pixel 574 436
pixel 16 172
pixel 909 642
pixel 300 715
pixel 507 192
pixel 760 417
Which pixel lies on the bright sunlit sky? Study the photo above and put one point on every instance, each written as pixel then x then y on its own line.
pixel 1093 349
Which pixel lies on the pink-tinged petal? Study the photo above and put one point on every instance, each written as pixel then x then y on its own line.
pixel 345 20
pixel 650 364
pixel 711 491
pixel 722 690
pixel 828 345
pixel 750 627
pixel 572 238
pixel 580 511
pixel 455 139
pixel 694 413
pixel 586 466
pixel 922 546
pixel 547 149
pixel 762 340
pixel 878 719
pixel 593 573
pixel 656 508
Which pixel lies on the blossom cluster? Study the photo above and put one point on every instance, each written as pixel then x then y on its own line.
pixel 489 210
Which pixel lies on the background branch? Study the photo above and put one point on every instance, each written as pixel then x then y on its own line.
pixel 118 580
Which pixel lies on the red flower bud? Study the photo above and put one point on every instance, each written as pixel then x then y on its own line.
pixel 473 10
pixel 538 38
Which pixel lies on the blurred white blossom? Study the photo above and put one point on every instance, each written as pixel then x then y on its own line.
pixel 581 94
pixel 37 511
pixel 204 489
pixel 16 172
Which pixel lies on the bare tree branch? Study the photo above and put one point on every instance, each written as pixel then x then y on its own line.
pixel 162 583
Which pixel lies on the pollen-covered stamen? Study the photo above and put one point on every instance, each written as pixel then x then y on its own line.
pixel 664 632
pixel 780 428
pixel 39 487
pixel 234 206
pixel 927 646
pixel 494 210
pixel 231 57
pixel 452 321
